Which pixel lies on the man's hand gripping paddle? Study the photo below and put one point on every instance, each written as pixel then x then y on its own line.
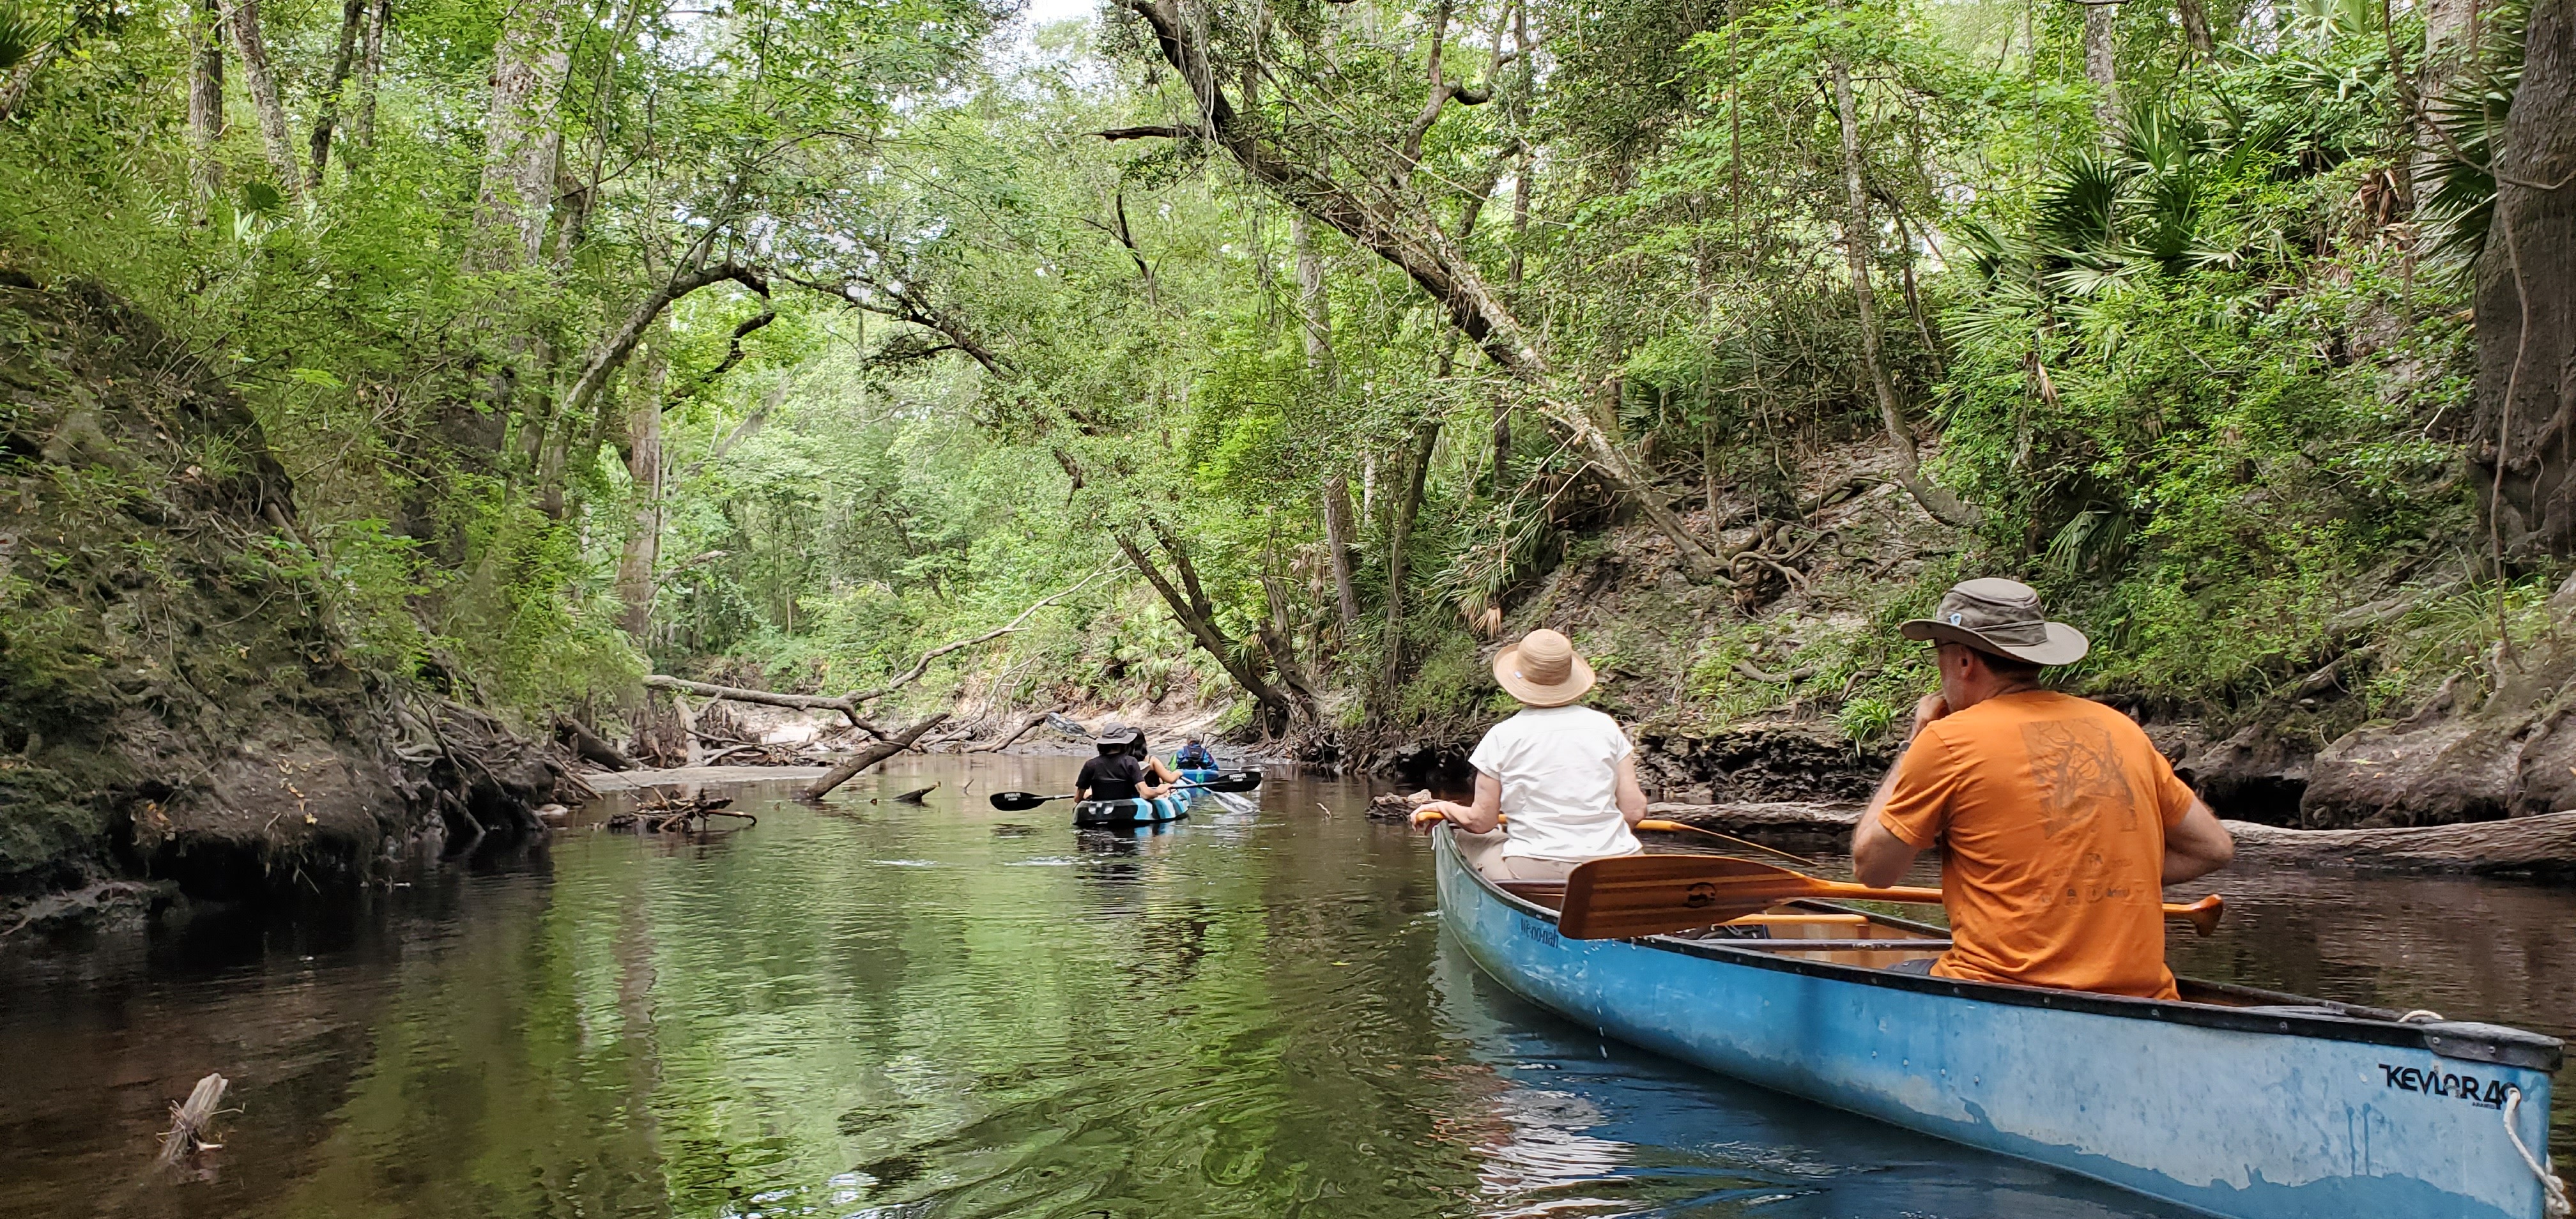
pixel 1634 895
pixel 1231 781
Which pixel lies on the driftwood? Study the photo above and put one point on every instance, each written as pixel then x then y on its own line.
pixel 916 795
pixel 1759 818
pixel 588 746
pixel 666 811
pixel 2544 845
pixel 1392 807
pixel 190 1121
pixel 886 746
pixel 1003 743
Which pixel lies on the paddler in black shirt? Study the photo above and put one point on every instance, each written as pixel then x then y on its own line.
pixel 1116 774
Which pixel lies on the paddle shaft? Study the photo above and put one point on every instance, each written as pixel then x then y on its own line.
pixel 1033 800
pixel 2202 914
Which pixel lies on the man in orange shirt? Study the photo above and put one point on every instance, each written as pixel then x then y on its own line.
pixel 2060 823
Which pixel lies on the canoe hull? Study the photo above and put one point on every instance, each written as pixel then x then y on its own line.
pixel 1130 812
pixel 2209 1107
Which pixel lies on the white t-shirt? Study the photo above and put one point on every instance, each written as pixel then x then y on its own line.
pixel 1559 767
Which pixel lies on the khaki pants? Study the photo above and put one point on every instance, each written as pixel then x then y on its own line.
pixel 1485 852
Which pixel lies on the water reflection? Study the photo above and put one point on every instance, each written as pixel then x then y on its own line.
pixel 876 1009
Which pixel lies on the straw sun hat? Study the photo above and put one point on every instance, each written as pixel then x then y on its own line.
pixel 1542 670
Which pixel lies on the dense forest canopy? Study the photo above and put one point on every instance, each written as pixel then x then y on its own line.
pixel 1296 347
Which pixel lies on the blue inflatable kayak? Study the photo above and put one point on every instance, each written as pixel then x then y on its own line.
pixel 1131 812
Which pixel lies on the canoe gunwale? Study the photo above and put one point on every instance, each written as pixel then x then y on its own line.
pixel 2462 1040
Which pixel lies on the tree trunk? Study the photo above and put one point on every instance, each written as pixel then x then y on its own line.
pixel 2195 29
pixel 636 560
pixel 522 137
pixel 2526 307
pixel 2102 64
pixel 371 68
pixel 326 111
pixel 2446 69
pixel 875 752
pixel 261 81
pixel 1338 530
pixel 205 96
pixel 1408 507
pixel 1857 246
pixel 1315 312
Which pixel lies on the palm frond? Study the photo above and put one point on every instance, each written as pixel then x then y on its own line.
pixel 20 34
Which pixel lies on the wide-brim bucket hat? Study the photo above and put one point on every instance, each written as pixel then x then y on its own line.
pixel 2000 617
pixel 1542 670
pixel 1114 733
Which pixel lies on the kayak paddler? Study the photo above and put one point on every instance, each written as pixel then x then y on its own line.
pixel 1115 773
pixel 1565 776
pixel 1194 755
pixel 2059 821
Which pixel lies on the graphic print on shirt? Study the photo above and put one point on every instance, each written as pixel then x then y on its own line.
pixel 2076 767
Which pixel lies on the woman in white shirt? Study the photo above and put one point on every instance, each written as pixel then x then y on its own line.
pixel 1561 779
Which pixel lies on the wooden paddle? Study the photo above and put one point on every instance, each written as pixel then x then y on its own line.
pixel 1231 781
pixel 1633 895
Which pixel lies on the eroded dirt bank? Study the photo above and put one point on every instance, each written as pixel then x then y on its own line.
pixel 179 704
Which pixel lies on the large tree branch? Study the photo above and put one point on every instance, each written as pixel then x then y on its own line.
pixel 904 304
pixel 1190 610
pixel 1412 241
pixel 885 747
pixel 849 704
pixel 612 352
pixel 1159 131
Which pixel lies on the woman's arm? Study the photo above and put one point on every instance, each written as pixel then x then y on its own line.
pixel 1632 798
pixel 1478 818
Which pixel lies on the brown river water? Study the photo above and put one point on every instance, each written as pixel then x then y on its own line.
pixel 878 1011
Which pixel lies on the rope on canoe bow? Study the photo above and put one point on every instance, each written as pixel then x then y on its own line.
pixel 2553 1191
pixel 2421 1016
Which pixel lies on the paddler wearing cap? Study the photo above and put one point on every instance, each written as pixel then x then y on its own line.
pixel 1116 772
pixel 2059 822
pixel 1565 776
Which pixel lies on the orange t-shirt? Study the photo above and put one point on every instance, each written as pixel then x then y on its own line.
pixel 2053 811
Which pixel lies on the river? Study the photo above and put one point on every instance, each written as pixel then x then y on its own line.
pixel 895 1012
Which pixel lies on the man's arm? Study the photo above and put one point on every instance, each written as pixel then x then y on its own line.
pixel 2197 846
pixel 1478 818
pixel 1632 798
pixel 1879 857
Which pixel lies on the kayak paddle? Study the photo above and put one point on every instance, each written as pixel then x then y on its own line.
pixel 1660 825
pixel 1634 895
pixel 1231 781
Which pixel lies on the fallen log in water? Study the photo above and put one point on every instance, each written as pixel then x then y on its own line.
pixel 190 1121
pixel 2516 846
pixel 876 751
pixel 1786 818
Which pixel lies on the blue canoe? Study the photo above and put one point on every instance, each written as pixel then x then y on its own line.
pixel 2234 1101
pixel 1195 775
pixel 1131 812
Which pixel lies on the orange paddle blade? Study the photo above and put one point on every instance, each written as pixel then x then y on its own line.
pixel 1633 895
